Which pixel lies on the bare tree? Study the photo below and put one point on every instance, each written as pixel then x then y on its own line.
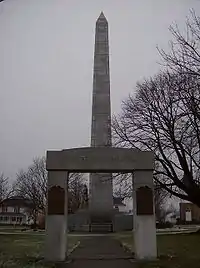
pixel 184 55
pixel 123 189
pixel 184 60
pixel 157 118
pixel 32 184
pixel 78 192
pixel 161 196
pixel 123 185
pixel 164 115
pixel 4 187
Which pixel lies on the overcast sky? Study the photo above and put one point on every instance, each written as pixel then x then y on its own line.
pixel 46 61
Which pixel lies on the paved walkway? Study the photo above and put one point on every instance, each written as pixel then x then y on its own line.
pixel 98 252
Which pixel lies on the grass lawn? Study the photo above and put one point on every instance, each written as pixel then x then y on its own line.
pixel 17 251
pixel 11 230
pixel 174 251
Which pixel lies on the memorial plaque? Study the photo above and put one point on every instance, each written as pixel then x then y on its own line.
pixel 144 199
pixel 56 201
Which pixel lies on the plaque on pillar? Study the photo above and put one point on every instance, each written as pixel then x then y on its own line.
pixel 56 200
pixel 144 201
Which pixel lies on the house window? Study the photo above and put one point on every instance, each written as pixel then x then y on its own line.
pixel 1 218
pixel 5 219
pixel 19 219
pixel 13 218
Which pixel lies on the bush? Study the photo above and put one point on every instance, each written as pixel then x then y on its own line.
pixel 163 225
pixel 182 222
pixel 34 226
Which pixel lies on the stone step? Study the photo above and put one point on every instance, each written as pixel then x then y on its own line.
pixel 100 227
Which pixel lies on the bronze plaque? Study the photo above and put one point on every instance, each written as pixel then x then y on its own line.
pixel 144 199
pixel 56 201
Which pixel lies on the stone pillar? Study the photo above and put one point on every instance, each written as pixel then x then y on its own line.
pixel 145 246
pixel 56 217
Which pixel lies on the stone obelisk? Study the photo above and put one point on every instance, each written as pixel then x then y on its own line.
pixel 101 188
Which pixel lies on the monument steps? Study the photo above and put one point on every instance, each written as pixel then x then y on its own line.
pixel 101 227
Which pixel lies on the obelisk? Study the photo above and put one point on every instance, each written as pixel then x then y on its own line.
pixel 101 188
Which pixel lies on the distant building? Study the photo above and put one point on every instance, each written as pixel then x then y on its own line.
pixel 119 205
pixel 15 210
pixel 189 212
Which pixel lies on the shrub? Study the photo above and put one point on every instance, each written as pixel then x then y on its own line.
pixel 163 225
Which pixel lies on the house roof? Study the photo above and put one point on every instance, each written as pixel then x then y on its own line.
pixel 17 201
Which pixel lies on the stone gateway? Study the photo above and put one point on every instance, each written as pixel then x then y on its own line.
pixel 61 163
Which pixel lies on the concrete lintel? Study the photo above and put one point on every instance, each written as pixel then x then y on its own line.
pixel 100 159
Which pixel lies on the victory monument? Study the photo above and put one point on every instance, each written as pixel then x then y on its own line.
pixel 100 160
pixel 100 187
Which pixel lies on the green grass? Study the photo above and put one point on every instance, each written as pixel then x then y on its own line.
pixel 24 250
pixel 10 230
pixel 19 231
pixel 174 251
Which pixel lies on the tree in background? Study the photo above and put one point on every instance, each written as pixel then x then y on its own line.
pixel 78 193
pixel 183 56
pixel 123 188
pixel 164 116
pixel 162 209
pixel 4 187
pixel 32 184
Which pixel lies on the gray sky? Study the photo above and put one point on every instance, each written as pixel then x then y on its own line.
pixel 46 60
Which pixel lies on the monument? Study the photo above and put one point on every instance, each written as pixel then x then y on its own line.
pixel 101 160
pixel 100 186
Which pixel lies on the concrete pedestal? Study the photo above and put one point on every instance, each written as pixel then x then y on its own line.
pixel 101 221
pixel 145 246
pixel 145 237
pixel 56 238
pixel 56 218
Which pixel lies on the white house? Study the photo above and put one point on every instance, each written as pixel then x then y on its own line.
pixel 15 210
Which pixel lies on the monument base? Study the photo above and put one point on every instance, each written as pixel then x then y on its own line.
pixel 101 221
pixel 81 222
